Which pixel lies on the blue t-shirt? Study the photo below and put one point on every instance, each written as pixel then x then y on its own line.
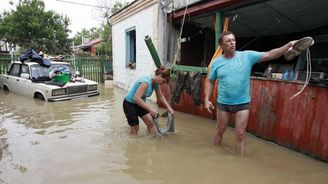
pixel 234 76
pixel 133 90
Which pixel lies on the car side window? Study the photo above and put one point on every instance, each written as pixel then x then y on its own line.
pixel 39 71
pixel 14 70
pixel 25 69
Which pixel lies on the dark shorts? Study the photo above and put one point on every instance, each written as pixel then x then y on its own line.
pixel 233 108
pixel 132 111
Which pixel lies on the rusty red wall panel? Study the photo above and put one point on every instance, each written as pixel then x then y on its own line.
pixel 262 113
pixel 320 122
pixel 186 103
pixel 300 124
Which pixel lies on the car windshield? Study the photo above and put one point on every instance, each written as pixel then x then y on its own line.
pixel 38 71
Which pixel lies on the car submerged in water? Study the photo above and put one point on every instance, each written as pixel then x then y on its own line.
pixel 33 80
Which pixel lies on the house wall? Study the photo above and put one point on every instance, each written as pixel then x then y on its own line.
pixel 125 76
pixel 147 19
pixel 2 46
pixel 94 48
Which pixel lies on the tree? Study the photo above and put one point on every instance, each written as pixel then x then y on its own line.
pixel 106 34
pixel 118 6
pixel 105 31
pixel 106 9
pixel 106 46
pixel 90 34
pixel 30 26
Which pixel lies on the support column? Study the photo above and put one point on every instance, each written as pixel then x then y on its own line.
pixel 218 27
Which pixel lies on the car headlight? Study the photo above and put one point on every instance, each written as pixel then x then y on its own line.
pixel 57 92
pixel 92 87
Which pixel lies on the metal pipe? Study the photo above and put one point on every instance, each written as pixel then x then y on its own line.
pixel 152 51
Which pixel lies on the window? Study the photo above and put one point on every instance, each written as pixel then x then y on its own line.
pixel 130 37
pixel 38 71
pixel 14 70
pixel 25 69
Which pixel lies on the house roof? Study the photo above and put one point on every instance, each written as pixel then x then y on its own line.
pixel 131 9
pixel 89 43
pixel 261 17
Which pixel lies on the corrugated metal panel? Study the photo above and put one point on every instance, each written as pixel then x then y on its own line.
pixel 300 124
pixel 262 18
pixel 279 16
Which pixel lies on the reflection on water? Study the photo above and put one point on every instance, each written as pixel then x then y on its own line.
pixel 87 141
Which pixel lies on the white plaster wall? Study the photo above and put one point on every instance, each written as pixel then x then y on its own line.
pixel 161 31
pixel 172 5
pixel 143 22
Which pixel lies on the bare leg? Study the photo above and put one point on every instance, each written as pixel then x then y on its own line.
pixel 134 130
pixel 241 118
pixel 148 120
pixel 222 121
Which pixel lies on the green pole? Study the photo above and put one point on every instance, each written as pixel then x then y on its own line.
pixel 152 51
pixel 218 28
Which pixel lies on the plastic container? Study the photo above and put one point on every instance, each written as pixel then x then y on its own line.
pixel 279 76
pixel 286 75
pixel 269 72
pixel 291 75
pixel 63 78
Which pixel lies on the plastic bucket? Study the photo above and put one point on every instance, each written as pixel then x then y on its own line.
pixel 63 78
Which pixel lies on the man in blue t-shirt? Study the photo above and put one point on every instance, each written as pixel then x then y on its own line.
pixel 233 70
pixel 134 104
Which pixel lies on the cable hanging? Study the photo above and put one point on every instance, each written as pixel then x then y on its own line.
pixel 179 38
pixel 308 73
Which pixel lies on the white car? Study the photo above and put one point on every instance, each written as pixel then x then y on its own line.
pixel 32 80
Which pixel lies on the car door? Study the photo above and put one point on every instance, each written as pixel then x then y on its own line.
pixel 12 78
pixel 24 85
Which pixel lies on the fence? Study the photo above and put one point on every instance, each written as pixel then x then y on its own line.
pixel 5 60
pixel 92 68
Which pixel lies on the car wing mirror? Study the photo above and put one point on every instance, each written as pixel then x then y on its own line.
pixel 25 75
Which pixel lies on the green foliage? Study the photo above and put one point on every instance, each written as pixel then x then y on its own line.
pixel 104 32
pixel 90 34
pixel 106 46
pixel 117 7
pixel 31 26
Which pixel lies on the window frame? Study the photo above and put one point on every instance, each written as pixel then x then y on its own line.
pixel 130 49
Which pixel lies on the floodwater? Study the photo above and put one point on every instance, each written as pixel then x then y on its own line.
pixel 87 141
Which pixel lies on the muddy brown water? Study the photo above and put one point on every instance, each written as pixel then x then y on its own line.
pixel 87 141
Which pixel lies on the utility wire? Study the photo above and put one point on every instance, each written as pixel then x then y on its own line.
pixel 83 4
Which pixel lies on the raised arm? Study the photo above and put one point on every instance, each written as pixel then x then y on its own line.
pixel 277 52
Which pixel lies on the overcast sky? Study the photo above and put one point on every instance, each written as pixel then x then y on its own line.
pixel 81 16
